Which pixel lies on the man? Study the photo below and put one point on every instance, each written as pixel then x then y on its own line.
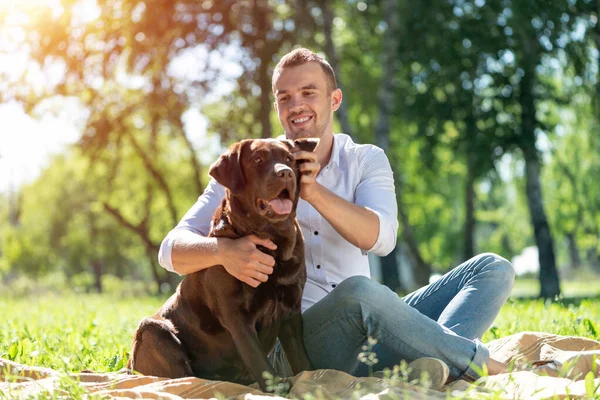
pixel 347 209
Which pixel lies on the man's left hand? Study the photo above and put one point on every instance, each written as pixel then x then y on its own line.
pixel 309 170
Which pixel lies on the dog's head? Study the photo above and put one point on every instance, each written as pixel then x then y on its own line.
pixel 262 175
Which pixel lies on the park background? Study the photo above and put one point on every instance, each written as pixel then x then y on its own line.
pixel 111 111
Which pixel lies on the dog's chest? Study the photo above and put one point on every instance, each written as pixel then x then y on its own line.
pixel 272 302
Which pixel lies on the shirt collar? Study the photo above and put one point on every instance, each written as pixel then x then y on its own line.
pixel 335 152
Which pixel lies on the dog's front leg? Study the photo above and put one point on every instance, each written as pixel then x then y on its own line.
pixel 248 346
pixel 292 341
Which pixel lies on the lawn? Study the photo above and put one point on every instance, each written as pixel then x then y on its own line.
pixel 74 332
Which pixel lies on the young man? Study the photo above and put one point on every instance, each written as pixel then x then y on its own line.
pixel 347 209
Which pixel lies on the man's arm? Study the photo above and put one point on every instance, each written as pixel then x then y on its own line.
pixel 369 224
pixel 193 252
pixel 356 224
pixel 187 249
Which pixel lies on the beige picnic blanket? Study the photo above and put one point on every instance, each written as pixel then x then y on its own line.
pixel 577 356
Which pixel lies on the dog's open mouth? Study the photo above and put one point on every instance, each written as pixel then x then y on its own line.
pixel 282 204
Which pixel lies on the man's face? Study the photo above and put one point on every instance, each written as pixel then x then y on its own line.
pixel 303 102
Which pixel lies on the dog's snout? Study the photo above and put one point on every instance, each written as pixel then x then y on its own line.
pixel 283 171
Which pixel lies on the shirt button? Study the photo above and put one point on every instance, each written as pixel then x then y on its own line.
pixel 319 266
pixel 333 285
pixel 316 232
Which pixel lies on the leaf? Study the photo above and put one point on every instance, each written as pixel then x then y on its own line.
pixel 589 384
pixel 13 350
pixel 589 325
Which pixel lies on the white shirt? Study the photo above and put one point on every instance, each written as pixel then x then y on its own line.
pixel 358 173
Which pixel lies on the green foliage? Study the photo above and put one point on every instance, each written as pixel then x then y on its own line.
pixel 462 72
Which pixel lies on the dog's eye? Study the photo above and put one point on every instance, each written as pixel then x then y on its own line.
pixel 290 159
pixel 257 160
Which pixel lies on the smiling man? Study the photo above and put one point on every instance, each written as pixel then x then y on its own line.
pixel 347 209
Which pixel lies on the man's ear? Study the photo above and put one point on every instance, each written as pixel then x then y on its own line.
pixel 336 99
pixel 227 170
pixel 306 144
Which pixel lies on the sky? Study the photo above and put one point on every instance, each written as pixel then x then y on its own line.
pixel 27 144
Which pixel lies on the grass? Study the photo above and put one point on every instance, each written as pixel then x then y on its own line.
pixel 75 332
pixel 529 287
pixel 71 332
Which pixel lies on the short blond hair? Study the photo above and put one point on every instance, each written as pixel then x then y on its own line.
pixel 302 56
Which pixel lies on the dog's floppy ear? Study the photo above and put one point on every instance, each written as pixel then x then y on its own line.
pixel 306 144
pixel 227 170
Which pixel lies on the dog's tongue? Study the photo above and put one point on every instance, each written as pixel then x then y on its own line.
pixel 281 206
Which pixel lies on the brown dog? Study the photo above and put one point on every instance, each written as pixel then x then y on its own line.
pixel 215 326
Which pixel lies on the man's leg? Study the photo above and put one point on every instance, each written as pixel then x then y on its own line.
pixel 468 298
pixel 336 328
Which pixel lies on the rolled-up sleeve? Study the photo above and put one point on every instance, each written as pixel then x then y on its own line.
pixel 197 220
pixel 377 193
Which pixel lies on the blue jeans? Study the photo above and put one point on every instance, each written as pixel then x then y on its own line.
pixel 444 320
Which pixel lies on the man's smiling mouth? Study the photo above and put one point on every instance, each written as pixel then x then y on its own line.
pixel 301 120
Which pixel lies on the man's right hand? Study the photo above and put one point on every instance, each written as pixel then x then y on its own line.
pixel 243 260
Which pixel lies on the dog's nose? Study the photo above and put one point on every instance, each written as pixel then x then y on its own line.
pixel 283 171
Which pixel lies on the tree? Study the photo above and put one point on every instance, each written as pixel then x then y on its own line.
pixel 125 68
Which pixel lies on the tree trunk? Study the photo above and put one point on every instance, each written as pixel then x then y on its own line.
pixel 389 264
pixel 422 269
pixel 264 49
pixel 389 270
pixel 98 272
pixel 141 230
pixel 150 254
pixel 386 101
pixel 469 229
pixel 549 283
pixel 472 173
pixel 342 112
pixel 573 251
pixel 14 206
pixel 95 264
pixel 593 259
pixel 196 167
pixel 265 104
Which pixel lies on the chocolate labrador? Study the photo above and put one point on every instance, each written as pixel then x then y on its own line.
pixel 215 326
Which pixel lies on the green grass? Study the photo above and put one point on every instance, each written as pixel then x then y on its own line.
pixel 71 332
pixel 94 332
pixel 75 332
pixel 576 317
pixel 529 287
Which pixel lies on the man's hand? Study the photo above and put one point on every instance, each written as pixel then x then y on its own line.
pixel 309 170
pixel 244 261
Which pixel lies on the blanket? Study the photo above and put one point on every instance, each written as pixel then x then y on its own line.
pixel 578 360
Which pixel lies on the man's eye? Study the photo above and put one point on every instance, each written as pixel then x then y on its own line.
pixel 308 93
pixel 282 99
pixel 257 160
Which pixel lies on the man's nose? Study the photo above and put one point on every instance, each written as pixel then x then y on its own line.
pixel 296 105
pixel 283 171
